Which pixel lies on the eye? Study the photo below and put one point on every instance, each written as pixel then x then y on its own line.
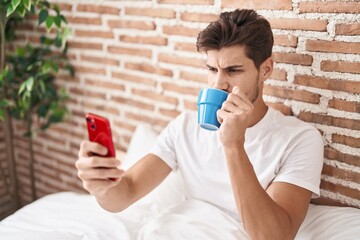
pixel 235 70
pixel 212 69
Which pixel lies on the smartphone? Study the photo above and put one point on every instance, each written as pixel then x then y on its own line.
pixel 99 131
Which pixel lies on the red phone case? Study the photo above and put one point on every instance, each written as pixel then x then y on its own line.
pixel 100 132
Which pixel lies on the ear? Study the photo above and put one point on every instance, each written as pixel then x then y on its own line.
pixel 266 69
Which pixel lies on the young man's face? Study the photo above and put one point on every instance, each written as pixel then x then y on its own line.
pixel 230 67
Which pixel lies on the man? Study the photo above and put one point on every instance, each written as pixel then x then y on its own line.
pixel 260 165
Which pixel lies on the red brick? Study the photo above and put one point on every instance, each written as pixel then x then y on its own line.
pixel 326 83
pixel 64 7
pixel 258 4
pixel 180 89
pixel 190 105
pixel 87 70
pixel 348 159
pixel 345 191
pixel 341 173
pixel 202 78
pixel 105 84
pixel 140 25
pixel 144 67
pixel 278 74
pixel 347 29
pixel 330 121
pixel 340 66
pixel 96 34
pixel 330 7
pixel 181 60
pixel 293 58
pixel 88 93
pixel 98 9
pixel 133 103
pixel 180 30
pixel 99 60
pixel 198 17
pixel 346 140
pixel 144 40
pixel 133 78
pixel 149 120
pixel 298 24
pixel 345 105
pixel 84 20
pixel 155 96
pixel 298 95
pixel 169 112
pixel 84 45
pixel 124 125
pixel 328 202
pixel 130 51
pixel 151 12
pixel 333 46
pixel 194 2
pixel 100 107
pixel 285 40
pixel 281 107
pixel 182 46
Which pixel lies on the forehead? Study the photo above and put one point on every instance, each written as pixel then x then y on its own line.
pixel 228 56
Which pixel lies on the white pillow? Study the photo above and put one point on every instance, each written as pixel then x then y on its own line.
pixel 171 190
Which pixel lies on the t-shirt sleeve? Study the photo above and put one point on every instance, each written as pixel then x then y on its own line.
pixel 303 161
pixel 164 146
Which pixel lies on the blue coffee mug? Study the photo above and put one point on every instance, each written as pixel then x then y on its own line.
pixel 209 101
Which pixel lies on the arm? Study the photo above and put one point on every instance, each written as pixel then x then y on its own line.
pixel 129 186
pixel 276 213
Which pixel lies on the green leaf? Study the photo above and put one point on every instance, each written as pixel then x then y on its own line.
pixel 15 3
pixel 22 88
pixel 1 114
pixel 27 4
pixel 57 21
pixel 29 84
pixel 21 10
pixel 3 74
pixel 10 10
pixel 49 22
pixel 45 4
pixel 20 51
pixel 5 103
pixel 43 15
pixel 63 18
pixel 56 9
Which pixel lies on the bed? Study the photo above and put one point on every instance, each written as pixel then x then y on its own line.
pixel 163 214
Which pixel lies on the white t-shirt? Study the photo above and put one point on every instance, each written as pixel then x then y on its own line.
pixel 280 148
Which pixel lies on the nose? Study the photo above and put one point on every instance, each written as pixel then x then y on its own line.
pixel 220 82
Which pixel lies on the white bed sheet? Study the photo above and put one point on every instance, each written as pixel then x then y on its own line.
pixel 73 216
pixel 162 214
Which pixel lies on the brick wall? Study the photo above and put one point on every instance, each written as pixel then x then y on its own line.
pixel 136 62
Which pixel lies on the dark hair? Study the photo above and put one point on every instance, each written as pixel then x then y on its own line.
pixel 240 27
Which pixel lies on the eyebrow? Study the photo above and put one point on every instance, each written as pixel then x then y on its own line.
pixel 228 67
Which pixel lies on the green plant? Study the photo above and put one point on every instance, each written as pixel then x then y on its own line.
pixel 27 76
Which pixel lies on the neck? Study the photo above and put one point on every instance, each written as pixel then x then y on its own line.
pixel 260 109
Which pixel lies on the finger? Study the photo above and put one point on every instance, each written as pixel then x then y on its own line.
pixel 100 174
pixel 221 115
pixel 88 148
pixel 96 161
pixel 242 96
pixel 229 107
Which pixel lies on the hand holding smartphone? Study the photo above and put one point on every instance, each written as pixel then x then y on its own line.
pixel 99 131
